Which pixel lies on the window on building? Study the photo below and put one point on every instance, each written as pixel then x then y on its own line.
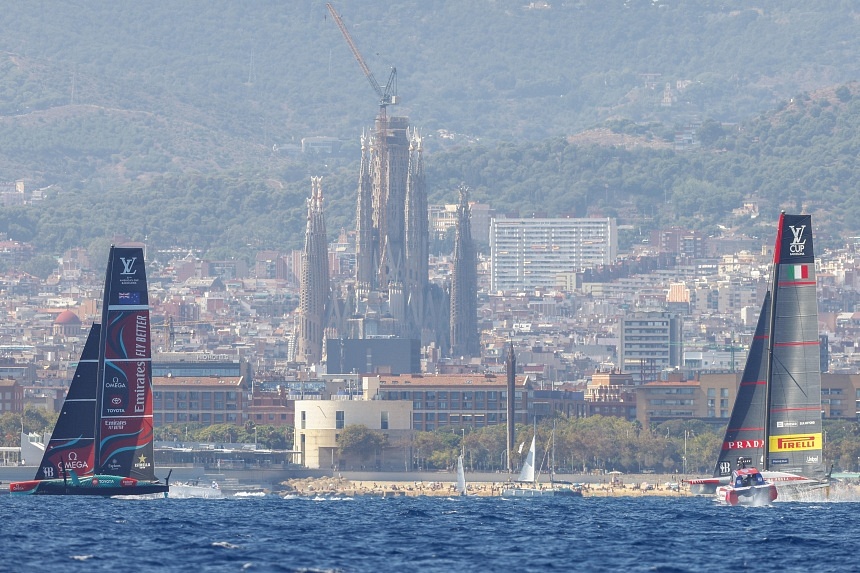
pixel 383 420
pixel 338 420
pixel 303 419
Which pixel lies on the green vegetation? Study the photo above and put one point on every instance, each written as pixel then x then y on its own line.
pixel 360 441
pixel 31 420
pixel 800 157
pixel 597 443
pixel 181 124
pixel 268 437
pixel 603 444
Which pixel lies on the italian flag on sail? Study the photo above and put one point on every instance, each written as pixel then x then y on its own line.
pixel 798 272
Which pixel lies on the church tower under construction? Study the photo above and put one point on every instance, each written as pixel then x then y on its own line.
pixel 315 288
pixel 393 296
pixel 465 340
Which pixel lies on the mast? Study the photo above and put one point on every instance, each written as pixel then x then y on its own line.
pixel 768 388
pixel 552 456
pixel 511 371
pixel 101 361
pixel 536 470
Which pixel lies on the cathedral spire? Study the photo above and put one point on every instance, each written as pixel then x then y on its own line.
pixel 315 290
pixel 417 237
pixel 464 286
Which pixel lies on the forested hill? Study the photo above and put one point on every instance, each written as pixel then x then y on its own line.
pixel 186 116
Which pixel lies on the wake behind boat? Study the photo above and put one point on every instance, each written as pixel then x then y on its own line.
pixel 102 441
pixel 776 420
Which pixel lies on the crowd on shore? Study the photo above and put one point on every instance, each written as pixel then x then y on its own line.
pixel 343 487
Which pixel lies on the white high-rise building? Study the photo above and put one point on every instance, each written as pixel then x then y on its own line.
pixel 650 341
pixel 531 253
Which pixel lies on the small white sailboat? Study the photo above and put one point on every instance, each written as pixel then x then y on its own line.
pixel 528 484
pixel 461 476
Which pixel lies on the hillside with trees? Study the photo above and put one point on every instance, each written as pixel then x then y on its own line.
pixel 187 119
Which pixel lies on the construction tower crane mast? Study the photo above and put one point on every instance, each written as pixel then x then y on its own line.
pixel 387 96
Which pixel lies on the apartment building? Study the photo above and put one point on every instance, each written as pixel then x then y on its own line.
pixel 204 399
pixel 11 396
pixel 672 397
pixel 531 253
pixel 650 342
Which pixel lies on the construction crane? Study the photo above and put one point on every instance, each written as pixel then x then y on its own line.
pixel 387 96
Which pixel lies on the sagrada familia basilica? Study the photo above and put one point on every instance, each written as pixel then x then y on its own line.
pixel 391 295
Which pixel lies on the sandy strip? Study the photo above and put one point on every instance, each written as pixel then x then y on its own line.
pixel 341 486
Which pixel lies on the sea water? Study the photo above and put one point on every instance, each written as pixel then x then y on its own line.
pixel 372 534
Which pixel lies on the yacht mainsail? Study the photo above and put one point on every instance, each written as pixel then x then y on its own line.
pixel 776 420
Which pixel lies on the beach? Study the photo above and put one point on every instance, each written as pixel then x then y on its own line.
pixel 341 486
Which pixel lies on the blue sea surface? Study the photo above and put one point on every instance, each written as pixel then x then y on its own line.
pixel 371 534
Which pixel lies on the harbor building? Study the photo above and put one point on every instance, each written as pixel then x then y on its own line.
pixel 611 394
pixel 207 400
pixel 710 397
pixel 319 424
pixel 529 253
pixel 476 400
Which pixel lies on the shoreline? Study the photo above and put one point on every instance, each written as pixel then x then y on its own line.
pixel 343 487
